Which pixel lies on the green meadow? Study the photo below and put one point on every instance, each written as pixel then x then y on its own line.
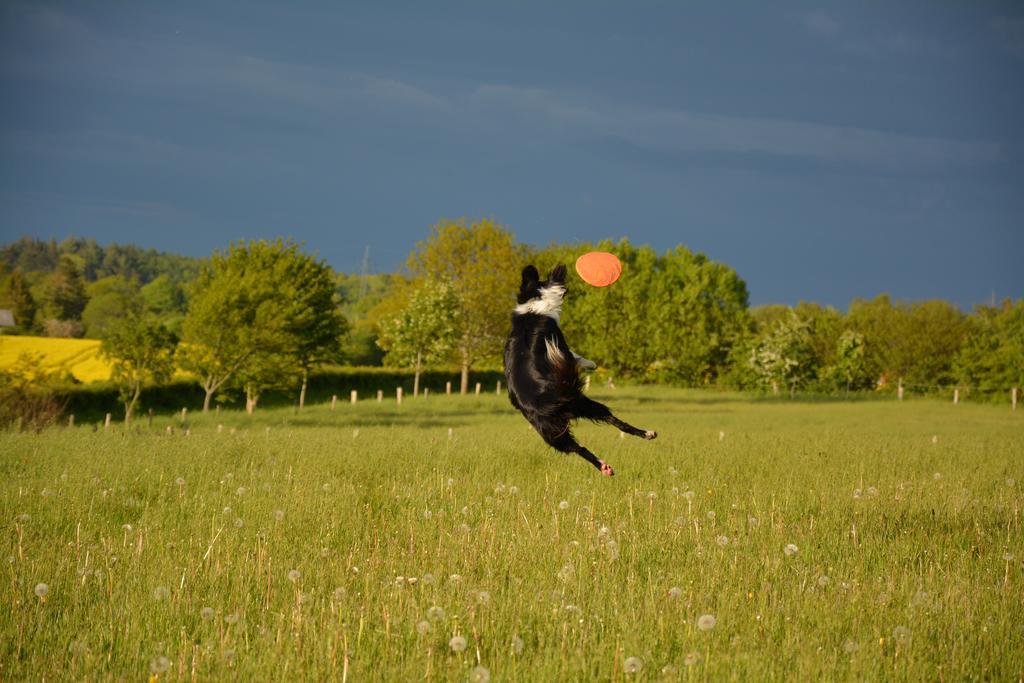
pixel 441 540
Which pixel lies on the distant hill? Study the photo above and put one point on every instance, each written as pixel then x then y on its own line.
pixel 31 255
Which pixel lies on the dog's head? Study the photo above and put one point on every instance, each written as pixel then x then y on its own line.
pixel 543 297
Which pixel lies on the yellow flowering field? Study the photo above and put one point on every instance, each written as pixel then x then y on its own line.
pixel 79 357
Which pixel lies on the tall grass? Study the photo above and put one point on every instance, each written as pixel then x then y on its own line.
pixel 363 543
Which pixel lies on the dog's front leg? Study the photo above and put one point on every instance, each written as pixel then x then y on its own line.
pixel 583 362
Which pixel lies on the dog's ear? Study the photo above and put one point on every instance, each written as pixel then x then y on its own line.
pixel 530 277
pixel 557 275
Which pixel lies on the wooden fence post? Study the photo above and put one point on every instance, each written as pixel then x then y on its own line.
pixel 106 422
pixel 334 400
pixel 426 392
pixel 149 419
pixel 184 415
pixel 956 396
pixel 354 397
pixel 497 389
pixel 448 388
pixel 899 389
pixel 380 395
pixel 1013 398
pixel 478 388
pixel 71 420
pixel 398 395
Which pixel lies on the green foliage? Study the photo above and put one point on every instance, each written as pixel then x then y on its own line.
pixel 992 360
pixel 425 330
pixel 681 312
pixel 783 355
pixel 17 296
pixel 111 300
pixel 260 315
pixel 360 297
pixel 65 295
pixel 29 397
pixel 141 350
pixel 482 262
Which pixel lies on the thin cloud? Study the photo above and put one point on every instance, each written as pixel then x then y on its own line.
pixel 820 23
pixel 679 130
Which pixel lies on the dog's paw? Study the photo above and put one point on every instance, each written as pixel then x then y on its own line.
pixel 607 470
pixel 650 435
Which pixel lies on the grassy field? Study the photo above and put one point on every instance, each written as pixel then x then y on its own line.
pixel 440 540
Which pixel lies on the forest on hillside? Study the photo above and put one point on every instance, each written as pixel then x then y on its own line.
pixel 675 317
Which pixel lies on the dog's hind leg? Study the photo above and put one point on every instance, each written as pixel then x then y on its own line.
pixel 565 442
pixel 598 412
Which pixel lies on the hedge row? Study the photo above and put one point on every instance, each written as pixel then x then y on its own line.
pixel 90 402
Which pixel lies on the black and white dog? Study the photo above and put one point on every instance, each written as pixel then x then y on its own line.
pixel 543 374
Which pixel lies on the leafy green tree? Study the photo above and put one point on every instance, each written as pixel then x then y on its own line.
pixel 783 354
pixel 425 329
pixel 111 300
pixel 847 369
pixel 141 351
pixel 22 304
pixel 361 299
pixel 991 361
pixel 259 314
pixel 65 292
pixel 165 298
pixel 688 310
pixel 483 263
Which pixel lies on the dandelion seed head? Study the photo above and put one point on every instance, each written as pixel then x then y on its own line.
pixel 457 644
pixel 722 541
pixel 1010 482
pixel 227 510
pixel 823 580
pixel 279 515
pixel 180 481
pixel 240 491
pixel 1009 557
pixel 428 579
pixel 851 646
pixel 564 505
pixel 435 613
pixel 517 645
pixel 480 674
pixel 24 518
pixel 790 549
pixel 483 597
pixel 326 488
pixel 752 521
pixel 711 514
pixel 857 493
pixel 513 490
pixel 160 664
pixel 206 613
pixel 706 622
pixel 675 592
pixel 901 634
pixel 455 578
pixel 42 590
pixel 427 514
pixel 423 628
pixel 632 665
pixel 872 491
pixel 232 618
pixel 239 523
pixel 688 495
pixel 691 659
pixel 161 593
pixel 294 575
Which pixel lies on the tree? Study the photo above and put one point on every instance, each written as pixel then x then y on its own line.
pixel 482 263
pixel 111 300
pixel 65 292
pixel 688 310
pixel 141 351
pixel 165 298
pixel 425 329
pixel 991 361
pixel 259 314
pixel 783 354
pixel 22 304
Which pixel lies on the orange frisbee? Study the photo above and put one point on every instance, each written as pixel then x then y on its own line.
pixel 599 268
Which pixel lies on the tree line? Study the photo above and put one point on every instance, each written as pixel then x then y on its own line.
pixel 261 315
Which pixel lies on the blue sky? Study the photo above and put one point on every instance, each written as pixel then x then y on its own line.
pixel 824 150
